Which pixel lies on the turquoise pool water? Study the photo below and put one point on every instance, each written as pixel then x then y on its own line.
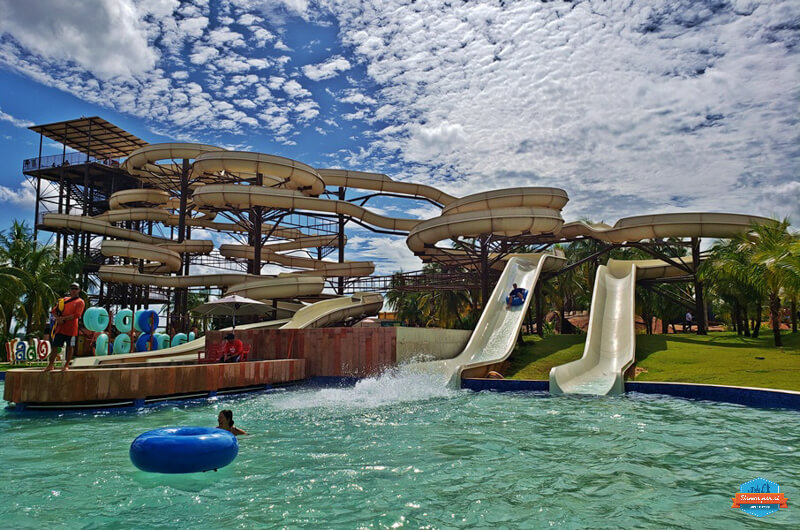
pixel 402 452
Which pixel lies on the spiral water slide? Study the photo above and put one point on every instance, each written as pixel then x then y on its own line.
pixel 512 212
pixel 158 256
pixel 224 179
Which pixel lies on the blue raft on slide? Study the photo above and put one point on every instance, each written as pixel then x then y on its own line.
pixel 517 301
pixel 183 450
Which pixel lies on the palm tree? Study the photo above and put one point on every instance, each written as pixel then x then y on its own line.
pixel 403 302
pixel 729 273
pixel 760 264
pixel 48 278
pixel 769 248
pixel 31 279
pixel 445 308
pixel 565 289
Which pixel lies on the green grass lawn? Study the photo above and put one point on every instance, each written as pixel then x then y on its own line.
pixel 6 366
pixel 720 358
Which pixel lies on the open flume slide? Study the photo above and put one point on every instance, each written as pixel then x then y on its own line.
pixel 317 315
pixel 215 181
pixel 610 347
pixel 336 310
pixel 496 331
pixel 186 351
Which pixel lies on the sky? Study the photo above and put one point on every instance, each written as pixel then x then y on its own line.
pixel 631 107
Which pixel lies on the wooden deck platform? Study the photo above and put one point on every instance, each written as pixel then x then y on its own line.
pixel 132 386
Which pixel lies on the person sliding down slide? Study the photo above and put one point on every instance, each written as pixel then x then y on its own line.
pixel 516 296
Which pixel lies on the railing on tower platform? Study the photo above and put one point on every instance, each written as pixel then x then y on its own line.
pixel 32 164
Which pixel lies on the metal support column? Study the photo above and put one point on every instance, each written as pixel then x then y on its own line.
pixel 61 193
pixel 340 240
pixel 537 300
pixel 256 217
pixel 38 192
pixel 699 303
pixel 484 270
pixel 182 294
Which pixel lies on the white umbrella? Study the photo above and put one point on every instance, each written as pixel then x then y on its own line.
pixel 233 305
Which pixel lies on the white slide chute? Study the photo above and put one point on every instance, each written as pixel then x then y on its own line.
pixel 611 338
pixel 496 332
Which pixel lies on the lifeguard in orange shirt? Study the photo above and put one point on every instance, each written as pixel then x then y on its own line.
pixel 67 313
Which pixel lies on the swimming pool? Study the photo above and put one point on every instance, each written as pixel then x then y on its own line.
pixel 404 452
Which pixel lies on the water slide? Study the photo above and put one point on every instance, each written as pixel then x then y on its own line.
pixel 220 180
pixel 317 315
pixel 610 347
pixel 496 332
pixel 336 310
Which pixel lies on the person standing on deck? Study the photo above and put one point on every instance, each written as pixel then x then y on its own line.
pixel 67 314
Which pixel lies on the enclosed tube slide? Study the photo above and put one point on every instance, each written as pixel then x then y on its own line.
pixel 287 286
pixel 382 183
pixel 329 269
pixel 239 196
pixel 275 170
pixel 637 228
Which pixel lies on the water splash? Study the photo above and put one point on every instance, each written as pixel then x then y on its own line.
pixel 395 386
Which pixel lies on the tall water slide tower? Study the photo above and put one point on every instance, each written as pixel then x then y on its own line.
pixel 81 182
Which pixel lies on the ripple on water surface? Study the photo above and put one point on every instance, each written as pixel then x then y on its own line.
pixel 404 451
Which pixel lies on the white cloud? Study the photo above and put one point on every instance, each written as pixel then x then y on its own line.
pixel 262 37
pixel 434 143
pixel 390 254
pixel 203 54
pixel 16 122
pixel 607 103
pixel 106 38
pixel 294 89
pixel 24 195
pixel 248 19
pixel 193 27
pixel 357 98
pixel 307 110
pixel 224 37
pixel 327 70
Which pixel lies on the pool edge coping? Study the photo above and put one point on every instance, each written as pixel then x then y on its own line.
pixel 749 396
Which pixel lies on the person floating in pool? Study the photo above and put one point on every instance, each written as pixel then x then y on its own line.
pixel 225 422
pixel 232 349
pixel 516 293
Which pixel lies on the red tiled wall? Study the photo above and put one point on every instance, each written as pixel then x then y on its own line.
pixel 358 352
pixel 101 384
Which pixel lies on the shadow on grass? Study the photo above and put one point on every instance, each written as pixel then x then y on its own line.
pixel 543 354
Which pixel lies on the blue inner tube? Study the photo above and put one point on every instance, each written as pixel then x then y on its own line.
pixel 516 300
pixel 183 450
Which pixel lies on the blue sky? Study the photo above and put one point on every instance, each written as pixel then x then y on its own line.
pixel 632 107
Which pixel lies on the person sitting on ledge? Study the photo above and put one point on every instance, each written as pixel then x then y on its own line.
pixel 232 349
pixel 517 293
pixel 225 422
